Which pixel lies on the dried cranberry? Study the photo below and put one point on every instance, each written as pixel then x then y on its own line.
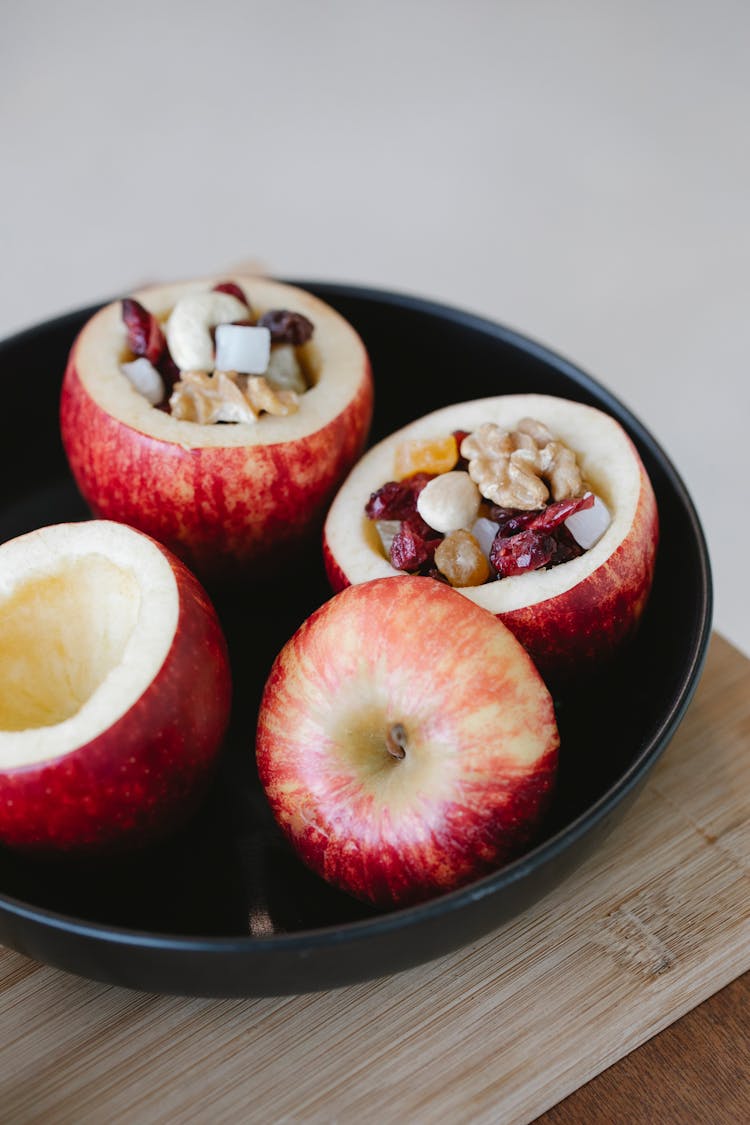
pixel 168 369
pixel 462 464
pixel 416 523
pixel 555 515
pixel 287 327
pixel 512 520
pixel 145 337
pixel 527 550
pixel 566 547
pixel 233 290
pixel 397 499
pixel 433 572
pixel 410 550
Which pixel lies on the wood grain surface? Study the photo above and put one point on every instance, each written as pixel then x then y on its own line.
pixel 697 1070
pixel 502 1030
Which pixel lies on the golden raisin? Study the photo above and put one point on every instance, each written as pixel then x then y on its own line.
pixel 430 455
pixel 459 558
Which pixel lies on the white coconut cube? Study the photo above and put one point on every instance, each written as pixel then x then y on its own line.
pixel 146 379
pixel 387 530
pixel 588 525
pixel 243 348
pixel 484 531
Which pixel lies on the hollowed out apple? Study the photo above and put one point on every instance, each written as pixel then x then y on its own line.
pixel 570 616
pixel 406 743
pixel 114 689
pixel 230 500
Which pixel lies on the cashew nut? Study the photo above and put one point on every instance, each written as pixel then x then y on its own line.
pixel 449 502
pixel 188 329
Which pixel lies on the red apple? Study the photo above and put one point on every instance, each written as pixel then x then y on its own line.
pixel 230 500
pixel 569 617
pixel 114 689
pixel 406 743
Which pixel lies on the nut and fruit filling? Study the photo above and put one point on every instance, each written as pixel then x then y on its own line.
pixel 214 359
pixel 474 507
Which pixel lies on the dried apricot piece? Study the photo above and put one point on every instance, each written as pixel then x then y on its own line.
pixel 426 455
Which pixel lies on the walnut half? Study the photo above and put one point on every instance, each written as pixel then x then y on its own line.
pixel 518 468
pixel 262 396
pixel 226 396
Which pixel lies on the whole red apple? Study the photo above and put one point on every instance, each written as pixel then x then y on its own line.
pixel 114 689
pixel 569 617
pixel 230 499
pixel 406 743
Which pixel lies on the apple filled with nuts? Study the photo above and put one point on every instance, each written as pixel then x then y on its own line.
pixel 406 743
pixel 114 689
pixel 217 417
pixel 536 508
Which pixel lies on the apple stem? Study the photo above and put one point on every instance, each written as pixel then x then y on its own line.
pixel 395 741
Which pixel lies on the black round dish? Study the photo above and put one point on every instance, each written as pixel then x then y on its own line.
pixel 224 908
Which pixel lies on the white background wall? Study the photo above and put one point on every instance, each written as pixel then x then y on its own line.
pixel 579 169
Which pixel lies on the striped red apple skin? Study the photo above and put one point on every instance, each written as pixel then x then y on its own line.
pixel 226 511
pixel 141 777
pixel 234 501
pixel 481 741
pixel 590 622
pixel 568 633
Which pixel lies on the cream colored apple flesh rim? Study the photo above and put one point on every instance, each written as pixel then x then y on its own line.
pixel 334 358
pixel 88 613
pixel 609 464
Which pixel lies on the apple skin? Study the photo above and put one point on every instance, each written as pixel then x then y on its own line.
pixel 589 623
pixel 412 651
pixel 567 635
pixel 572 633
pixel 139 779
pixel 228 512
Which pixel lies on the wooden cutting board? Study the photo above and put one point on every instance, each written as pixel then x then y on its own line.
pixel 657 921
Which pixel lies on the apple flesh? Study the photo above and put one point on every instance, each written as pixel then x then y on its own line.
pixel 406 743
pixel 114 689
pixel 571 616
pixel 231 500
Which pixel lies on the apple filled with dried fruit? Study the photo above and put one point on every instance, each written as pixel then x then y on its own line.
pixel 218 417
pixel 406 743
pixel 114 689
pixel 536 508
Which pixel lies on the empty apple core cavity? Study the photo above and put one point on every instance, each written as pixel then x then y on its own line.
pixel 60 636
pixel 87 616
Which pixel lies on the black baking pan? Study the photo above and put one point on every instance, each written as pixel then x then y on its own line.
pixel 224 908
